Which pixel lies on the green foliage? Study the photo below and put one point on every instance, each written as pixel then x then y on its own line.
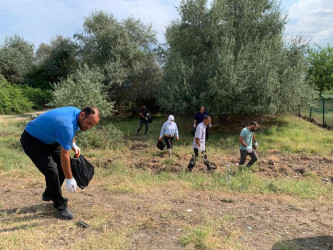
pixel 102 137
pixel 16 58
pixel 231 58
pixel 320 72
pixel 12 99
pixel 198 236
pixel 38 96
pixel 123 50
pixel 81 89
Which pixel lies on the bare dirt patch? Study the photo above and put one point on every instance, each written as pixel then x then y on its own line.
pixel 158 219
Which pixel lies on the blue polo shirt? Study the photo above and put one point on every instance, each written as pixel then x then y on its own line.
pixel 56 126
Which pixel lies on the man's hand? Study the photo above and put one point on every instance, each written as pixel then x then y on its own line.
pixel 76 149
pixel 71 185
pixel 249 149
pixel 200 148
pixel 160 138
pixel 255 145
pixel 177 138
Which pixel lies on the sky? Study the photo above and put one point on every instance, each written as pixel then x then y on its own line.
pixel 39 21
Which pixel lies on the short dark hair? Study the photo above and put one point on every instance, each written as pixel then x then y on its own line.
pixel 206 117
pixel 253 123
pixel 90 111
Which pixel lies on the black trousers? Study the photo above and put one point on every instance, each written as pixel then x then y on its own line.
pixel 46 157
pixel 168 141
pixel 244 154
pixel 141 124
pixel 195 158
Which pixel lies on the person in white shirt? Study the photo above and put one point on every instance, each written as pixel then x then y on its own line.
pixel 199 145
pixel 169 131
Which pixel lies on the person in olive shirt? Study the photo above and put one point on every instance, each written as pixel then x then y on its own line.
pixel 143 113
pixel 246 140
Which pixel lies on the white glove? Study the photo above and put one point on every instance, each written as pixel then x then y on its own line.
pixel 146 118
pixel 76 149
pixel 249 149
pixel 193 125
pixel 200 148
pixel 256 144
pixel 71 185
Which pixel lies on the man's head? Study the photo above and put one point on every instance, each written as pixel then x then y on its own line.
pixel 143 106
pixel 253 126
pixel 207 120
pixel 202 109
pixel 88 118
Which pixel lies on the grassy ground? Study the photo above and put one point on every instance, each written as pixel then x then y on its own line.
pixel 140 198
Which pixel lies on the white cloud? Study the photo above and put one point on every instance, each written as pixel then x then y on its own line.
pixel 312 19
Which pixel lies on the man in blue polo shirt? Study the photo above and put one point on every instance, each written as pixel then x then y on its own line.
pixel 47 141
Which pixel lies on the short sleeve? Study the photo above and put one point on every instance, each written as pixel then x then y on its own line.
pixel 243 133
pixel 64 137
pixel 198 132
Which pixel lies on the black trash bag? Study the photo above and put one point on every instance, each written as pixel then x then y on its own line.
pixel 193 131
pixel 150 119
pixel 82 171
pixel 160 145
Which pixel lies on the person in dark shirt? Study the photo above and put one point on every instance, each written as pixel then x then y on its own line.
pixel 143 113
pixel 199 117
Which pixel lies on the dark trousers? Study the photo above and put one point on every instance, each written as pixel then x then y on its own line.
pixel 243 155
pixel 195 158
pixel 145 122
pixel 168 141
pixel 46 157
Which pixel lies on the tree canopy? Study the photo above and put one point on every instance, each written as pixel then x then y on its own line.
pixel 231 58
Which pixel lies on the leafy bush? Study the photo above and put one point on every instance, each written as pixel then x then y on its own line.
pixel 38 96
pixel 81 89
pixel 103 137
pixel 12 99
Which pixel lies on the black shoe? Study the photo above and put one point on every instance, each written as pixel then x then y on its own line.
pixel 63 210
pixel 65 214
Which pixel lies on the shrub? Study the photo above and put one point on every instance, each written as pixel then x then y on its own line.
pixel 12 99
pixel 81 89
pixel 38 96
pixel 102 137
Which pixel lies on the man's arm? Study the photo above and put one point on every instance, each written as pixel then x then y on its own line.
pixel 197 141
pixel 65 163
pixel 241 140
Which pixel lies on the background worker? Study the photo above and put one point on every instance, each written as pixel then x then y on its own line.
pixel 47 141
pixel 198 118
pixel 168 131
pixel 199 145
pixel 246 139
pixel 143 113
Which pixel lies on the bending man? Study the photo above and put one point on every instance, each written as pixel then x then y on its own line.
pixel 168 131
pixel 47 140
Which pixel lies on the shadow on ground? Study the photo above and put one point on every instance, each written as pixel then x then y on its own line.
pixel 308 243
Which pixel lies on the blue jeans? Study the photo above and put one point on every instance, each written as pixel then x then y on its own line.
pixel 141 124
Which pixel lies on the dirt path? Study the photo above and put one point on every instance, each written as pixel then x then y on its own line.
pixel 18 117
pixel 160 218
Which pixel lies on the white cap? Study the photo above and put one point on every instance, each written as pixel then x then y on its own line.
pixel 171 118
